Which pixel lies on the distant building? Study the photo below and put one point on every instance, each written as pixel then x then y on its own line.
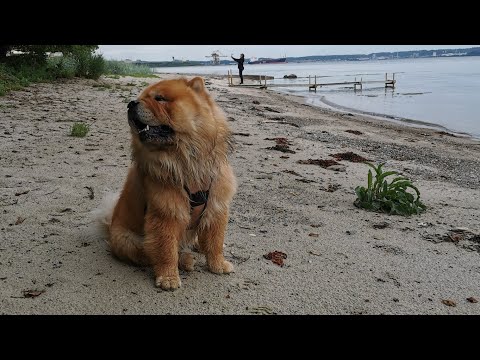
pixel 15 52
pixel 54 54
pixel 49 54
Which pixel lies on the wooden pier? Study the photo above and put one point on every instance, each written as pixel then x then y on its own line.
pixel 312 82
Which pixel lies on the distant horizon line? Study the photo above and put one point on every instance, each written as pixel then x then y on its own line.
pixel 182 59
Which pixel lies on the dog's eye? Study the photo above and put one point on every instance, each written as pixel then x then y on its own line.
pixel 160 98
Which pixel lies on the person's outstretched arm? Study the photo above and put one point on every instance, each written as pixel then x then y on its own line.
pixel 235 59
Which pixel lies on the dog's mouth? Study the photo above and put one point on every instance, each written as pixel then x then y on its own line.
pixel 147 133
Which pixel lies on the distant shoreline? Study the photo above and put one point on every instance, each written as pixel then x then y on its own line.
pixel 381 56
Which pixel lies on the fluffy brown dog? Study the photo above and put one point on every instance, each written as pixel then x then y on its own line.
pixel 180 184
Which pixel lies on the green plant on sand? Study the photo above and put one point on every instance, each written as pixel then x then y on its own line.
pixel 392 198
pixel 79 129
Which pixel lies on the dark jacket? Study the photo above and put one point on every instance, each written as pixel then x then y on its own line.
pixel 240 62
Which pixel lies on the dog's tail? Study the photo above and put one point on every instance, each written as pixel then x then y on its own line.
pixel 103 214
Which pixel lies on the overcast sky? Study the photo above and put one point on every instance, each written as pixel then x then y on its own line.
pixel 199 52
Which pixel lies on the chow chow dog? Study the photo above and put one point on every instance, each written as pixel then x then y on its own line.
pixel 180 184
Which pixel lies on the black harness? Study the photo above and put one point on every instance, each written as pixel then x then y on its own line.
pixel 197 199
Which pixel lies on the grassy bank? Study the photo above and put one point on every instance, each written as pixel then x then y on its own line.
pixel 115 69
pixel 17 72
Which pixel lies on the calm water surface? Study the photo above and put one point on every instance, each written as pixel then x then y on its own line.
pixel 441 91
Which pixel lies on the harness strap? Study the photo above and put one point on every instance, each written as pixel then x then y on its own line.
pixel 198 204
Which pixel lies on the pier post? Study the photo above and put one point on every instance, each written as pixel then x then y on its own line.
pixel 315 83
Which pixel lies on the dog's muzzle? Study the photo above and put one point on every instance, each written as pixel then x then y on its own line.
pixel 146 132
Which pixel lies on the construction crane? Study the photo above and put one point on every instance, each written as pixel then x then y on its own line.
pixel 216 57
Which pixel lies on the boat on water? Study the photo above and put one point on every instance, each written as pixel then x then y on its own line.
pixel 253 61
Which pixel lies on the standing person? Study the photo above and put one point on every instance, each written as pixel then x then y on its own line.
pixel 240 66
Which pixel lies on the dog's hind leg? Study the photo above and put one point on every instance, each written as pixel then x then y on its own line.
pixel 127 246
pixel 186 261
pixel 126 230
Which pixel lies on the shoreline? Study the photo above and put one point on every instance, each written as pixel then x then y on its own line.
pixel 341 259
pixel 322 102
pixel 396 119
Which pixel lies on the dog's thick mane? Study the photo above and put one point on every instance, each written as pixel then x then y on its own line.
pixel 193 162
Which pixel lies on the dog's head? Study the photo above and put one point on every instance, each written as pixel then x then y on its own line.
pixel 171 112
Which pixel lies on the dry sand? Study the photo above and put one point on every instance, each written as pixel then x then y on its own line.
pixel 337 261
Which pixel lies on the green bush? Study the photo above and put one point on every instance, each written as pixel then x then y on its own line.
pixel 79 129
pixel 392 198
pixel 62 67
pixel 89 66
pixel 15 78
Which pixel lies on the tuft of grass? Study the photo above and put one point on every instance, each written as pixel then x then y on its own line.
pixel 392 198
pixel 7 106
pixel 144 75
pixel 102 86
pixel 79 129
pixel 113 67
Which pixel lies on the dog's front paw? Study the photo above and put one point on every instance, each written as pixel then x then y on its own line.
pixel 220 267
pixel 168 282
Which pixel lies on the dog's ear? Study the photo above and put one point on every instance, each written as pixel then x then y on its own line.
pixel 197 84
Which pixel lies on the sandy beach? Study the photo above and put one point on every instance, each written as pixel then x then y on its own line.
pixel 340 259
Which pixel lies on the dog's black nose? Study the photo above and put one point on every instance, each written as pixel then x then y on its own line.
pixel 132 104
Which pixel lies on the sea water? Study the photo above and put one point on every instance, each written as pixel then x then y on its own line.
pixel 435 92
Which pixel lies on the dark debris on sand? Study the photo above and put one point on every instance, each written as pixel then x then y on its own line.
pixel 276 257
pixel 282 144
pixel 320 162
pixel 349 156
pixel 356 132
